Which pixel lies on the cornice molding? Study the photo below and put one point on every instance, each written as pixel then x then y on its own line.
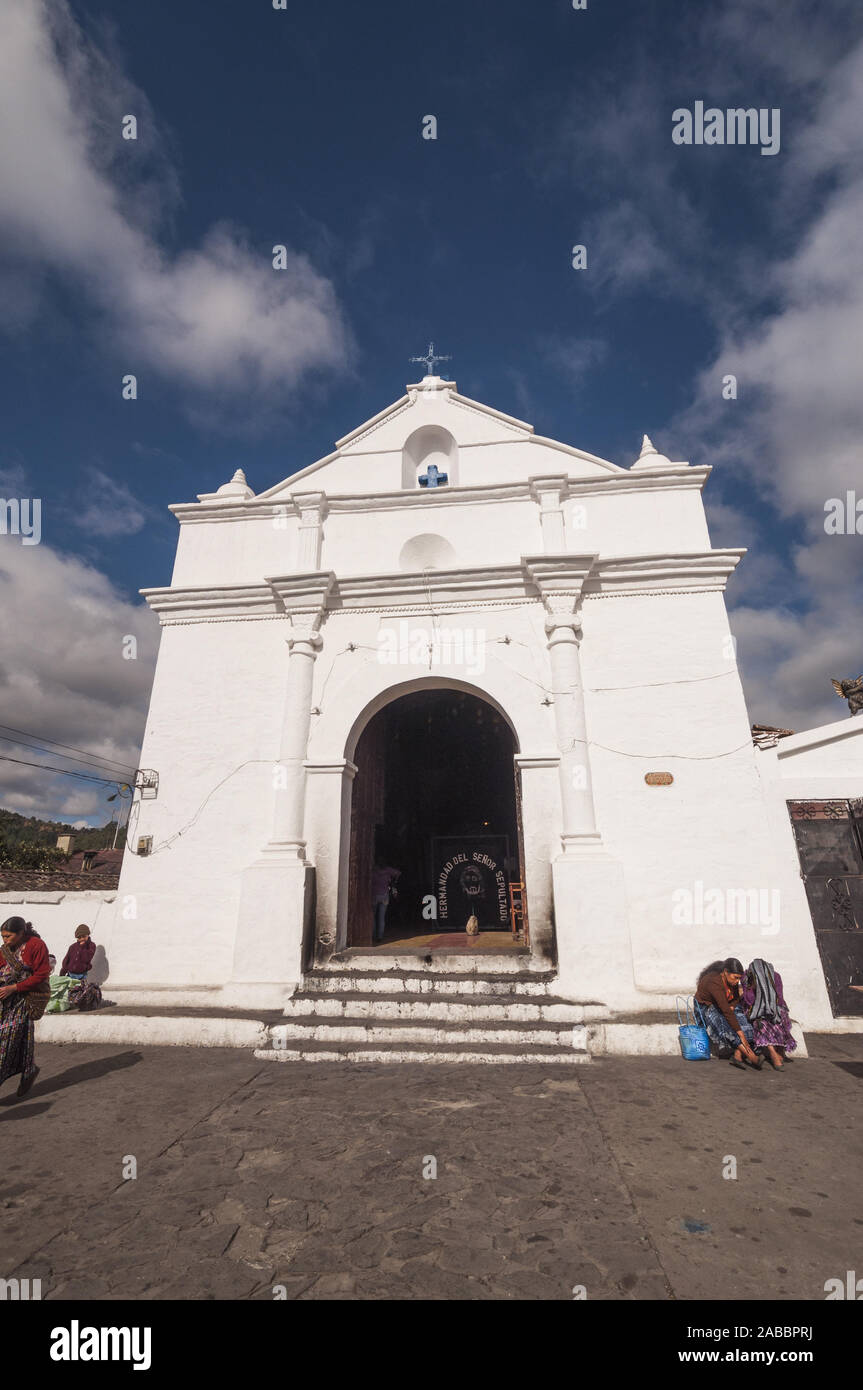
pixel 559 574
pixel 509 422
pixel 306 592
pixel 675 478
pixel 225 618
pixel 688 571
pixel 234 601
pixel 345 445
pixel 536 576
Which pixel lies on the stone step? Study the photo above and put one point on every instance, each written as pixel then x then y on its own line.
pixel 161 1029
pixel 453 1053
pixel 407 1032
pixel 416 982
pixel 464 962
pixel 447 1008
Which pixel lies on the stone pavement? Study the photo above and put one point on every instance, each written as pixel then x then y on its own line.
pixel 310 1176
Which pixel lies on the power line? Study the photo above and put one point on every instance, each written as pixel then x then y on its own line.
pixel 65 771
pixel 105 762
pixel 70 757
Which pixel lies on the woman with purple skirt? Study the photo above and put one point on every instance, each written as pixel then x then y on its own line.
pixel 765 1006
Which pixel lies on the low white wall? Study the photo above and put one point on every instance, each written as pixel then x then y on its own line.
pixel 56 915
pixel 817 765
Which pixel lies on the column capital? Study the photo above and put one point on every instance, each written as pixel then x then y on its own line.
pixel 563 616
pixel 305 599
pixel 311 507
pixel 560 580
pixel 555 574
pixel 304 632
pixel 549 488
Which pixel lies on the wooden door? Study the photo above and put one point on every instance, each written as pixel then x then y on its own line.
pixel 367 812
pixel 522 863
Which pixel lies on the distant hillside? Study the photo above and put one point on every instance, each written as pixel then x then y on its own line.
pixel 18 830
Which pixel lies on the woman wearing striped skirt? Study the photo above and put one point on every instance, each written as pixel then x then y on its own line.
pixel 718 993
pixel 24 992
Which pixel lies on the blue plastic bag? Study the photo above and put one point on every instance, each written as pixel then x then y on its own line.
pixel 694 1038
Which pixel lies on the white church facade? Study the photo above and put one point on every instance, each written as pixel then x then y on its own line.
pixel 500 665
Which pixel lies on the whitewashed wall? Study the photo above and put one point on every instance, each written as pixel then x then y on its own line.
pixel 819 764
pixel 662 694
pixel 56 915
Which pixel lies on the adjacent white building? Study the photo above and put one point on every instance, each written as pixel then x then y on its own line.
pixel 563 621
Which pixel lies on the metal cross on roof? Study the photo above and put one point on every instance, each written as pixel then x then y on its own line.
pixel 431 359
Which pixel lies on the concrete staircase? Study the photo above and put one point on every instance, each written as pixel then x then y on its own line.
pixel 408 1014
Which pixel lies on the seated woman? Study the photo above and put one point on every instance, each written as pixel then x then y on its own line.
pixel 79 957
pixel 718 993
pixel 768 1012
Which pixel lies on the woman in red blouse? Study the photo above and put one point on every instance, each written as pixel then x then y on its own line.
pixel 24 992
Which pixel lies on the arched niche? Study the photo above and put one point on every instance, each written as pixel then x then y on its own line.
pixel 427 552
pixel 430 444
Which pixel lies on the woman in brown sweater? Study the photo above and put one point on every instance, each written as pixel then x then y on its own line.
pixel 718 992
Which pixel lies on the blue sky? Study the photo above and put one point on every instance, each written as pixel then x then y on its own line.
pixel 303 127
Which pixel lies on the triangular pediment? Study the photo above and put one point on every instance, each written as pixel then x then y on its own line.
pixel 471 443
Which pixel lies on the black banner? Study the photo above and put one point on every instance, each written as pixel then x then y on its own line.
pixel 471 880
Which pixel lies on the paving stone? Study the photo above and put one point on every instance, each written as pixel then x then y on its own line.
pixel 78 1290
pixel 248 1244
pixel 467 1259
pixel 410 1244
pixel 293 1285
pixel 311 1176
pixel 333 1285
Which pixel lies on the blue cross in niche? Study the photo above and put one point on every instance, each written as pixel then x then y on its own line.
pixel 434 477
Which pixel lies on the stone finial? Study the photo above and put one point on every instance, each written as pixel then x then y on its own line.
pixel 237 487
pixel 650 457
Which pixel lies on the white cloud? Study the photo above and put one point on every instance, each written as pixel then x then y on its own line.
pixel 573 357
pixel 788 661
pixel 110 509
pixel 640 227
pixel 13 480
pixel 801 42
pixel 79 199
pixel 63 676
pixel 794 433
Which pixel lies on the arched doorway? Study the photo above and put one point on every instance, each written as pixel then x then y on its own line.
pixel 435 797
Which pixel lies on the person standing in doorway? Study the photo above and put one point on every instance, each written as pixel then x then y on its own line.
pixel 24 994
pixel 384 879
